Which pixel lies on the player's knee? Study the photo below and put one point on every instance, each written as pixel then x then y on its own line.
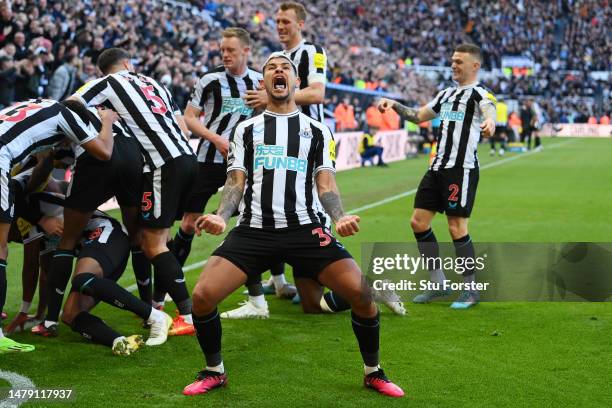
pixel 188 222
pixel 418 225
pixel 202 300
pixel 80 282
pixel 457 230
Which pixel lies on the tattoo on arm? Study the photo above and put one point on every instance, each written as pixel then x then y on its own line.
pixel 332 204
pixel 489 111
pixel 410 114
pixel 232 195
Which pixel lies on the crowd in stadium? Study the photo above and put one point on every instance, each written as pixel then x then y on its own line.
pixel 50 46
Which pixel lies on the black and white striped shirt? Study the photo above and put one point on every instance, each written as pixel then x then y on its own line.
pixel 281 154
pixel 219 95
pixel 35 125
pixel 147 110
pixel 460 110
pixel 311 62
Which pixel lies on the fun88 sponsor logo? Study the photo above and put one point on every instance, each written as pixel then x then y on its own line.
pixel 447 113
pixel 272 157
pixel 232 105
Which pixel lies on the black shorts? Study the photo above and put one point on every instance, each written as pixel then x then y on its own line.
pixel 308 249
pixel 7 199
pixel 211 177
pixel 110 247
pixel 450 191
pixel 501 130
pixel 94 181
pixel 165 192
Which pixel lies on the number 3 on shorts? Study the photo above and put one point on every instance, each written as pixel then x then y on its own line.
pixel 325 239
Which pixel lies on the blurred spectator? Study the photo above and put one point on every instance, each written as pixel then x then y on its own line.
pixel 64 80
pixel 345 116
pixel 8 74
pixel 368 149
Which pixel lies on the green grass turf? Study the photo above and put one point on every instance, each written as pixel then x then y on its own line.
pixel 544 354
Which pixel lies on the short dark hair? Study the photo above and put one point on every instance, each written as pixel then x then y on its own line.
pixel 471 49
pixel 111 57
pixel 78 108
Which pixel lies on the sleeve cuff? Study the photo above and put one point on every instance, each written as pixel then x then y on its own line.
pixel 318 169
pixel 242 169
pixel 312 78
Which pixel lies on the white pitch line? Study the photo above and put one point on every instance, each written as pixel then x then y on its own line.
pixel 396 197
pixel 486 166
pixel 17 382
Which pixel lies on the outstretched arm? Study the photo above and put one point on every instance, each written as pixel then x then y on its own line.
pixel 230 200
pixel 415 115
pixel 332 203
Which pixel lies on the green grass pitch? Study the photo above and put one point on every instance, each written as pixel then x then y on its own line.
pixel 545 354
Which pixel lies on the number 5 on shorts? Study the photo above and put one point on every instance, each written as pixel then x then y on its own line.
pixel 146 201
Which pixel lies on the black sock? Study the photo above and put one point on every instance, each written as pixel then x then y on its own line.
pixel 182 245
pixel 367 331
pixel 464 248
pixel 110 292
pixel 170 275
pixel 277 269
pixel 159 295
pixel 59 274
pixel 93 328
pixel 208 331
pixel 3 283
pixel 255 289
pixel 428 244
pixel 335 302
pixel 142 271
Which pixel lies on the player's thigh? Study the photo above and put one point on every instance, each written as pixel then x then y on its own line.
pixel 218 279
pixel 74 223
pixel 310 292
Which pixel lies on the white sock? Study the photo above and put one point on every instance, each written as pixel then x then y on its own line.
pixel 118 339
pixel 49 323
pixel 259 300
pixel 1 334
pixel 370 370
pixel 324 306
pixel 218 369
pixel 25 307
pixel 188 319
pixel 155 315
pixel 279 280
pixel 437 276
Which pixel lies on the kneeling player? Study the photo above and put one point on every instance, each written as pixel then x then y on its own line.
pixel 105 248
pixel 278 222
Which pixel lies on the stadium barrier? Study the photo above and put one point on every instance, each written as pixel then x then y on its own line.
pixel 575 130
pixel 396 143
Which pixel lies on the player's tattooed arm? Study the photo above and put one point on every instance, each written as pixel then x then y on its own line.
pixel 415 115
pixel 409 114
pixel 232 194
pixel 489 111
pixel 488 124
pixel 329 194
